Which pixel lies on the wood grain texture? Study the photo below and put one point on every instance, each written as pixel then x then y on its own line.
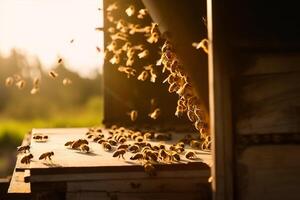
pixel 267 104
pixel 271 172
pixel 18 185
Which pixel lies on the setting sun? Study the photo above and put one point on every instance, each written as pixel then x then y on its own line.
pixel 50 29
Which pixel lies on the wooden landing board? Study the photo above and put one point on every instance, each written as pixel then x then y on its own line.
pixel 69 161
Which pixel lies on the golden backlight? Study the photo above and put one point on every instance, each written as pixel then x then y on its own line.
pixel 46 28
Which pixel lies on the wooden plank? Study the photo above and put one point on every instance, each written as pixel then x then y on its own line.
pixel 72 161
pixel 18 185
pixel 219 61
pixel 134 185
pixel 270 171
pixel 268 104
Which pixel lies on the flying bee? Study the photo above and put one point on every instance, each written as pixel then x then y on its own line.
pixel 191 155
pixel 59 60
pixel 139 138
pixel 130 10
pixel 123 146
pixel 143 54
pixel 155 114
pixel 149 169
pixel 143 75
pixel 53 74
pixel 69 143
pixel 134 148
pixel 107 146
pixel 78 143
pixel 201 45
pixel 112 142
pixel 46 155
pixel 85 148
pixel 133 115
pixel 23 149
pixel 21 84
pixel 9 81
pixel 26 159
pixel 138 156
pixel 119 153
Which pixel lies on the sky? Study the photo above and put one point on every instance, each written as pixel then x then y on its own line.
pixel 44 28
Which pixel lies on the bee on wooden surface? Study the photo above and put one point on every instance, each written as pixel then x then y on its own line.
pixel 78 143
pixel 119 153
pixel 148 136
pixel 69 143
pixel 23 149
pixel 149 169
pixel 134 148
pixel 53 74
pixel 135 135
pixel 191 155
pixel 98 137
pixel 161 146
pixel 138 156
pixel 123 146
pixel 152 155
pixel 195 144
pixel 163 155
pixel 112 142
pixel 107 146
pixel 175 156
pixel 26 159
pixel 9 81
pixel 46 155
pixel 139 138
pixel 155 114
pixel 162 136
pixel 155 148
pixel 101 141
pixel 122 139
pixel 84 147
pixel 40 137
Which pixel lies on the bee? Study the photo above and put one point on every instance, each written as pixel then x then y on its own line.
pixel 23 149
pixel 107 146
pixel 112 142
pixel 142 13
pixel 195 144
pixel 135 135
pixel 149 169
pixel 9 81
pixel 122 140
pixel 130 10
pixel 112 7
pixel 148 136
pixel 161 146
pixel 78 143
pixel 34 90
pixel 26 159
pixel 203 44
pixel 84 147
pixel 163 155
pixel 40 137
pixel 139 138
pixel 119 153
pixel 72 40
pixel 191 155
pixel 162 136
pixel 69 143
pixel 143 75
pixel 98 137
pixel 134 148
pixel 59 60
pixel 143 54
pixel 155 148
pixel 152 155
pixel 155 114
pixel 53 74
pixel 133 115
pixel 138 156
pixel 46 155
pixel 21 84
pixel 175 156
pixel 123 146
pixel 101 141
pixel 66 81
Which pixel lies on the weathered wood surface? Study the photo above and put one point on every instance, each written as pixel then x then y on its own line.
pixel 266 104
pixel 96 162
pixel 269 172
